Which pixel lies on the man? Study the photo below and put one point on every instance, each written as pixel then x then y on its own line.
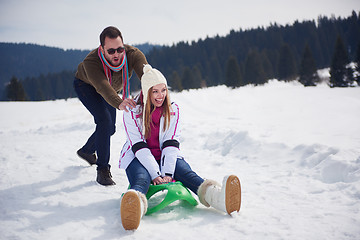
pixel 99 78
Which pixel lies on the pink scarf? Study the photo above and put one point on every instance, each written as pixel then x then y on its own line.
pixel 125 75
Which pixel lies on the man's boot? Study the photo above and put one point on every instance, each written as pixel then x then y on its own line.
pixel 90 158
pixel 104 177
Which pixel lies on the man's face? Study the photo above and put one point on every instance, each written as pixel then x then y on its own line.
pixel 113 50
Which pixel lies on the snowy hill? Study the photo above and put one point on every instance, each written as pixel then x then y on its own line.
pixel 296 151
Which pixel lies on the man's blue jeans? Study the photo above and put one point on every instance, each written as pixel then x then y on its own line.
pixel 140 179
pixel 104 118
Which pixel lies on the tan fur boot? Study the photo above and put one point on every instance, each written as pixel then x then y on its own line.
pixel 226 198
pixel 133 207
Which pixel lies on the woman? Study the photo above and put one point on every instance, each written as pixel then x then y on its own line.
pixel 151 154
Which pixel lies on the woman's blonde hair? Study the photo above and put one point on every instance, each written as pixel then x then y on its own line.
pixel 149 108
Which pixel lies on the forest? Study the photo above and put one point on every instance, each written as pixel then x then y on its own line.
pixel 256 55
pixel 253 56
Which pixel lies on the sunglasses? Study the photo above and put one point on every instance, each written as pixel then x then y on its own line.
pixel 111 51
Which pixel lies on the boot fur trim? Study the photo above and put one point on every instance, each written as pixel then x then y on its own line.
pixel 202 190
pixel 145 202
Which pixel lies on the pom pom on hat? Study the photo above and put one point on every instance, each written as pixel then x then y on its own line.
pixel 150 78
pixel 147 68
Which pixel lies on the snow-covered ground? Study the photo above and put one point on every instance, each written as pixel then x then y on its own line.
pixel 296 151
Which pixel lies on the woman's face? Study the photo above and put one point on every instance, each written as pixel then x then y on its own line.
pixel 158 94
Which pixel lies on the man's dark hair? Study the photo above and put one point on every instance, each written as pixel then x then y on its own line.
pixel 110 32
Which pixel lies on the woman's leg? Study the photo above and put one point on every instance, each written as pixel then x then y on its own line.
pixel 187 176
pixel 138 176
pixel 133 202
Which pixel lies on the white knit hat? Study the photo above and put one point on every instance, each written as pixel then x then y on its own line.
pixel 150 78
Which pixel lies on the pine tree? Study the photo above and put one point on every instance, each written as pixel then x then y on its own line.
pixel 199 82
pixel 175 82
pixel 58 87
pixel 187 79
pixel 214 71
pixel 254 72
pixel 338 71
pixel 286 64
pixel 357 62
pixel 233 75
pixel 308 74
pixel 267 66
pixel 15 90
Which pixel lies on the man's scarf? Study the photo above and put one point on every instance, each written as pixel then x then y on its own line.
pixel 125 75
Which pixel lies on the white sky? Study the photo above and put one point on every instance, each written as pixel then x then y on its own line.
pixel 77 24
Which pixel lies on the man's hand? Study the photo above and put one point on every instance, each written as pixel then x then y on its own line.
pixel 128 102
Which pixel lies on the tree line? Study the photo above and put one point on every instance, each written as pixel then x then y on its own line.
pixel 291 52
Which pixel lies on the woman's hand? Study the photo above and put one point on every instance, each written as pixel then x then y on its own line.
pixel 158 180
pixel 167 179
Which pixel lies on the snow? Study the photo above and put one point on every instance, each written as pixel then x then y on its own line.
pixel 296 151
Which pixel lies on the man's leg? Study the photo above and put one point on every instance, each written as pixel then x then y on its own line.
pixel 104 117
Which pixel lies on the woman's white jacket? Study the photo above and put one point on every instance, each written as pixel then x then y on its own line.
pixel 136 146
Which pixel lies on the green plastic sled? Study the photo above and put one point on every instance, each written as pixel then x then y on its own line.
pixel 175 191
